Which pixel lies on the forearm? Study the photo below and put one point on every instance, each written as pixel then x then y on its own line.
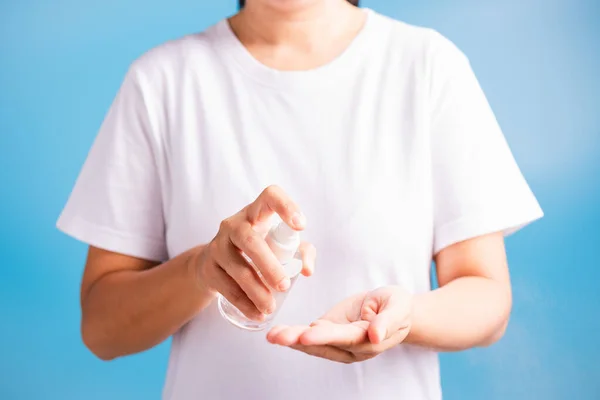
pixel 467 312
pixel 127 312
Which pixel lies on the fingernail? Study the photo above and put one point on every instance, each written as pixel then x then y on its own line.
pixel 298 219
pixel 270 309
pixel 381 334
pixel 284 284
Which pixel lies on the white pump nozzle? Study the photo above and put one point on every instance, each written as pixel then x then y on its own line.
pixel 284 234
pixel 283 241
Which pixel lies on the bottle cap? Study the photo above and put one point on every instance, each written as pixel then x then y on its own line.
pixel 284 234
pixel 283 241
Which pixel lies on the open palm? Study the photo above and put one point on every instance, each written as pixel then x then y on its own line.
pixel 358 328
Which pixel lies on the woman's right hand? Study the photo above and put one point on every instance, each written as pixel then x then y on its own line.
pixel 221 267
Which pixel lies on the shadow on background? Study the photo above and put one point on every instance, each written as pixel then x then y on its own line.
pixel 61 64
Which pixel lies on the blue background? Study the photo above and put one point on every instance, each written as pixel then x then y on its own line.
pixel 538 61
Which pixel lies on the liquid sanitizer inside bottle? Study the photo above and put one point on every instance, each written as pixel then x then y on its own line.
pixel 283 242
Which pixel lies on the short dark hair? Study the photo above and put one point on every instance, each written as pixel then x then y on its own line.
pixel 353 2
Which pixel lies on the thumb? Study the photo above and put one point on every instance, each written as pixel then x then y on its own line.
pixel 387 309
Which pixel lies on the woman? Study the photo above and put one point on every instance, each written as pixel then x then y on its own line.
pixel 375 130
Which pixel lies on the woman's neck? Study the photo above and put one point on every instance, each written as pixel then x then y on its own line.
pixel 299 38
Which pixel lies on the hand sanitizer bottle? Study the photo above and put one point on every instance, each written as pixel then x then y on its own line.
pixel 283 242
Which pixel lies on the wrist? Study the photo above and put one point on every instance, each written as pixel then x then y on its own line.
pixel 413 319
pixel 193 265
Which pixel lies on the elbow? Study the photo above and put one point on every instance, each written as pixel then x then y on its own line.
pixel 94 342
pixel 501 324
pixel 495 336
pixel 500 328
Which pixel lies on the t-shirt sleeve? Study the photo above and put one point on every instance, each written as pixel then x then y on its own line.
pixel 116 203
pixel 478 187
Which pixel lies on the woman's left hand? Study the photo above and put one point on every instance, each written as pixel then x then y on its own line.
pixel 356 329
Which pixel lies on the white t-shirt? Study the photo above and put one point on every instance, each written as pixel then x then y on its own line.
pixel 391 150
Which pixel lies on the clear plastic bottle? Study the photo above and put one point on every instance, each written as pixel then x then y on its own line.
pixel 284 242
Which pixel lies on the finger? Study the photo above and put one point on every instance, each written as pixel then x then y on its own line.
pixel 308 254
pixel 339 335
pixel 248 280
pixel 368 349
pixel 387 312
pixel 386 324
pixel 225 285
pixel 249 241
pixel 328 352
pixel 272 334
pixel 289 335
pixel 274 200
pixel 360 347
pixel 346 311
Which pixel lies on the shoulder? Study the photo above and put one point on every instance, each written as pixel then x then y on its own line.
pixel 162 76
pixel 419 46
pixel 174 59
